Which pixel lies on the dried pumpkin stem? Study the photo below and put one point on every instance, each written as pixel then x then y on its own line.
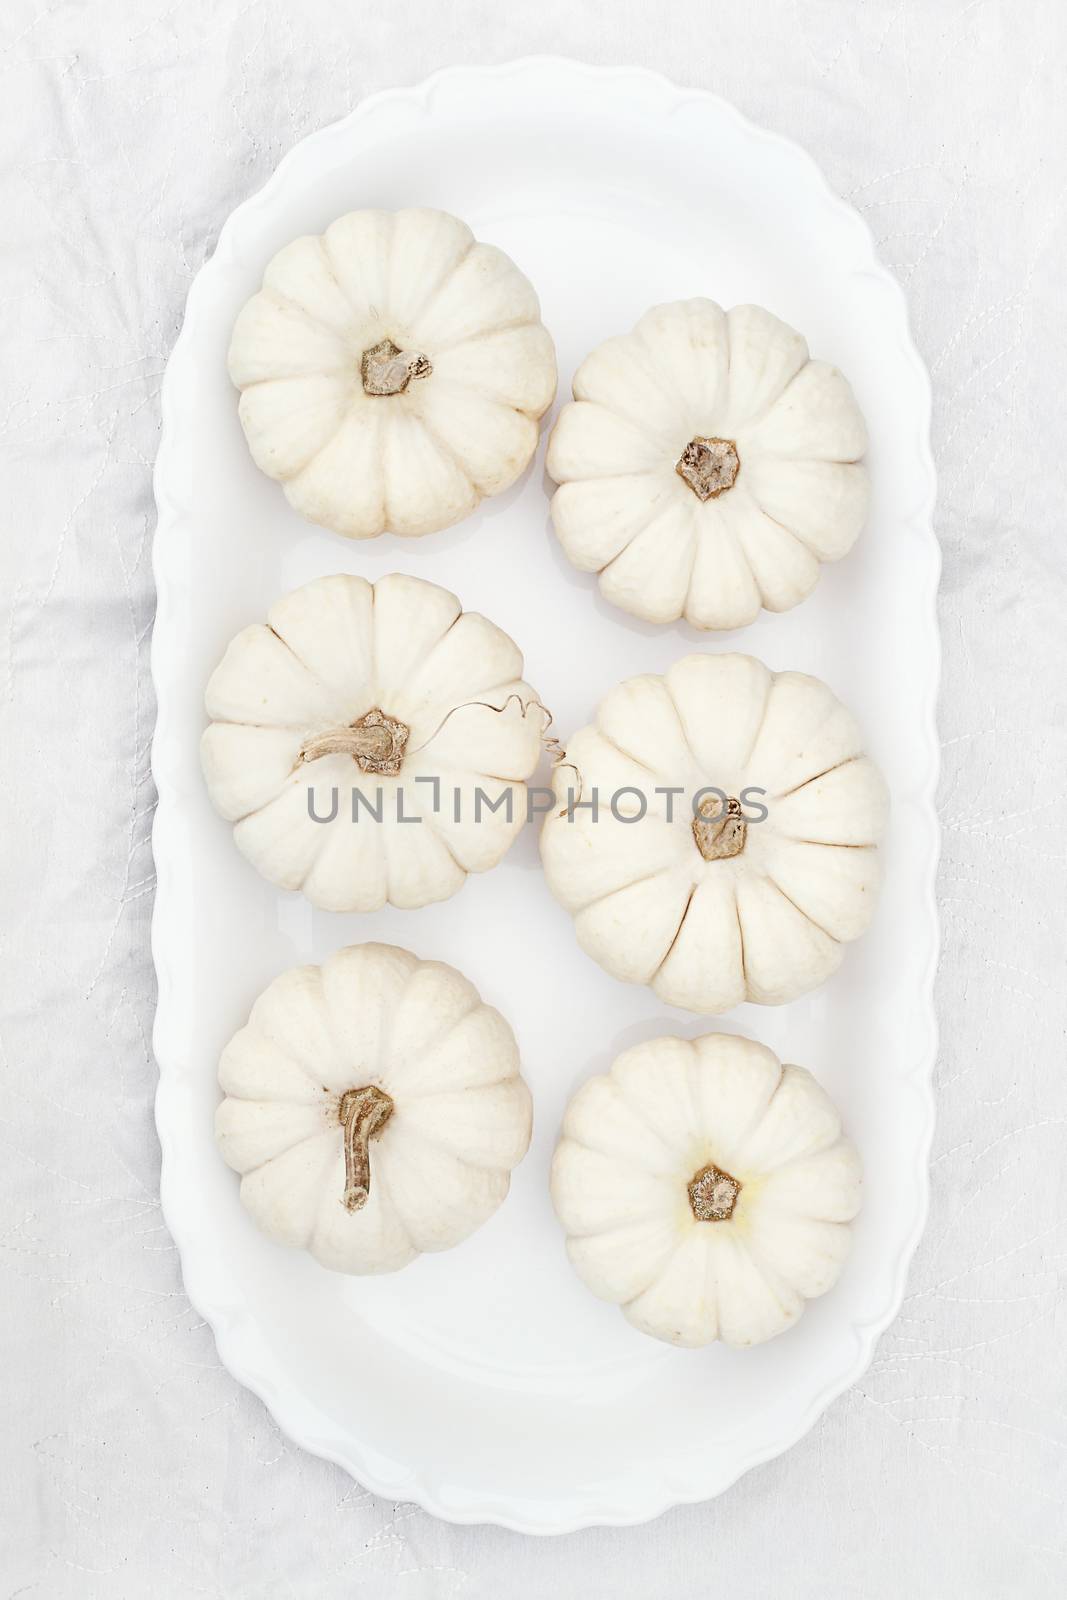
pixel 713 1194
pixel 386 369
pixel 709 466
pixel 719 834
pixel 376 743
pixel 362 1114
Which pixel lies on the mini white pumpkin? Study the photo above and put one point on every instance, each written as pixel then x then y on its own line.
pixel 706 466
pixel 690 891
pixel 706 1189
pixel 393 371
pixel 374 1109
pixel 360 737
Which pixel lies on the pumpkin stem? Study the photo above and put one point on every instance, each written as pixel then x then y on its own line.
pixel 719 835
pixel 386 369
pixel 709 466
pixel 376 743
pixel 713 1194
pixel 362 1114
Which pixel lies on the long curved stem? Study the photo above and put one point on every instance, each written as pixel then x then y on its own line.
pixel 376 743
pixel 362 1114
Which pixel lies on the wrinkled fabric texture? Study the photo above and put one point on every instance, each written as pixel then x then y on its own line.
pixel 133 1465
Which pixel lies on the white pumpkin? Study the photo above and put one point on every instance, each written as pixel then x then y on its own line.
pixel 392 372
pixel 706 466
pixel 691 891
pixel 374 1109
pixel 360 737
pixel 706 1189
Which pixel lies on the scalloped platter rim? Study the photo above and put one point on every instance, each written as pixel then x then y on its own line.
pixel 485 1384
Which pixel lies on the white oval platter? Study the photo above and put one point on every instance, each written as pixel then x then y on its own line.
pixel 486 1384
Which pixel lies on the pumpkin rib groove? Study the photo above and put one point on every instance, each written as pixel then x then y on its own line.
pixel 490 399
pixel 677 935
pixel 654 1283
pixel 325 1164
pixel 847 761
pixel 795 532
pixel 293 483
pixel 768 691
pixel 811 737
pixel 765 597
pixel 388 493
pixel 711 1289
pixel 285 302
pixel 798 1160
pixel 741 939
pixel 606 1233
pixel 509 1076
pixel 506 326
pixel 623 887
pixel 608 1298
pixel 828 844
pixel 382 1179
pixel 773 881
pixel 441 637
pixel 490 1165
pixel 644 358
pixel 332 271
pixel 772 1277
pixel 611 477
pixel 313 862
pixel 298 658
pixel 606 1155
pixel 284 1150
pixel 756 1120
pixel 756 422
pixel 441 1038
pixel 447 451
pixel 324 241
pixel 627 755
pixel 769 404
pixel 372 1070
pixel 692 1067
pixel 760 1113
pixel 294 377
pixel 730 533
pixel 358 312
pixel 663 435
pixel 665 511
pixel 257 811
pixel 425 305
pixel 302 1065
pixel 440 283
pixel 663 1149
pixel 432 821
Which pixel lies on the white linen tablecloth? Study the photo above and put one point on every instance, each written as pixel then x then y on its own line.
pixel 131 1464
